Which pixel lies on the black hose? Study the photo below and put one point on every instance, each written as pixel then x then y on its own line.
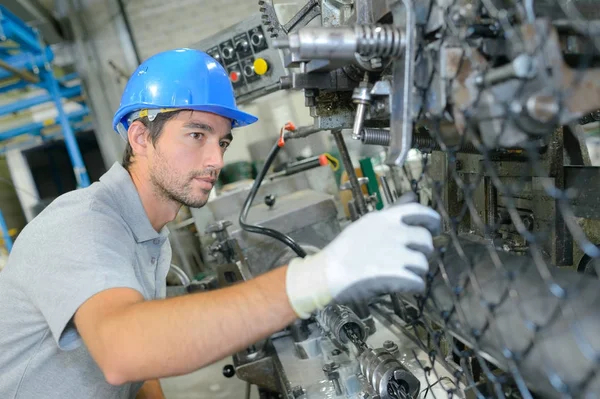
pixel 246 208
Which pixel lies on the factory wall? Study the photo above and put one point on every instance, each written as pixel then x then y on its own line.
pixel 106 58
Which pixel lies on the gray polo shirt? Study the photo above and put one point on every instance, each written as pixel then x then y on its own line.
pixel 86 241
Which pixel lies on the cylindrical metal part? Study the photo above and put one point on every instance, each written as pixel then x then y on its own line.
pixel 337 386
pixel 323 43
pixel 345 42
pixel 386 189
pixel 383 370
pixel 420 141
pixel 359 199
pixel 359 119
pixel 334 319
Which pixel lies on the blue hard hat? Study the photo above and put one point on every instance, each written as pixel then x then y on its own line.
pixel 180 79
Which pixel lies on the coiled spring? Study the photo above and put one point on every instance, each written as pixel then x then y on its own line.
pixel 376 137
pixel 379 40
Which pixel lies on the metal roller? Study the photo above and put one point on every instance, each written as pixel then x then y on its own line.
pixel 387 375
pixel 339 321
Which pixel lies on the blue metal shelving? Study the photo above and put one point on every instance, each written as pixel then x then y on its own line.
pixel 24 55
pixel 25 61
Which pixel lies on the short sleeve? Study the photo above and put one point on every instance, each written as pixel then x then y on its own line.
pixel 75 258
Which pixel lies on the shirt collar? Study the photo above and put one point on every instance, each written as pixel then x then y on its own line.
pixel 129 204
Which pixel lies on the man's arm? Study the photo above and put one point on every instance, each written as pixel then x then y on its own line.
pixel 150 390
pixel 136 340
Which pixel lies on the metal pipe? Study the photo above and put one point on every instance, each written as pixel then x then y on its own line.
pixel 386 190
pixel 22 73
pixel 81 175
pixel 33 128
pixel 359 199
pixel 33 101
pixel 125 16
pixel 27 62
pixel 183 278
pixel 14 28
pixel 5 233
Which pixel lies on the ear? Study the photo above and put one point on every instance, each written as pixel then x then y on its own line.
pixel 137 134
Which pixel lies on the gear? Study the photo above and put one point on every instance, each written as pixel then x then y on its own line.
pixel 307 13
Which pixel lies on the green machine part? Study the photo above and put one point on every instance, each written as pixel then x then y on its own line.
pixel 373 186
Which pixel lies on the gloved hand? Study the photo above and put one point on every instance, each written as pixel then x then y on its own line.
pixel 383 252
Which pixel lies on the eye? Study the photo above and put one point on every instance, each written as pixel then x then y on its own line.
pixel 224 144
pixel 196 136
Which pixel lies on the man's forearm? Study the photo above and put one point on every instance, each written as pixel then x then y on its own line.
pixel 150 390
pixel 175 336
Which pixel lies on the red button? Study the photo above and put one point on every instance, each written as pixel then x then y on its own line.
pixel 234 76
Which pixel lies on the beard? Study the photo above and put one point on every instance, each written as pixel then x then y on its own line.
pixel 173 186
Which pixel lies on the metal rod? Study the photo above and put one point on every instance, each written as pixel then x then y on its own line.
pixel 359 119
pixel 26 61
pixel 359 199
pixel 37 127
pixel 491 206
pixel 125 16
pixel 386 189
pixel 33 101
pixel 5 233
pixel 23 74
pixel 81 175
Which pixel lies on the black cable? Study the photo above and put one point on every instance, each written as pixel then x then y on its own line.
pixel 246 208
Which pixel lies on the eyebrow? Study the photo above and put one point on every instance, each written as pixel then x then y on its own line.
pixel 205 127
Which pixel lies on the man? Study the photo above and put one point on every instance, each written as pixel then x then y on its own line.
pixel 82 308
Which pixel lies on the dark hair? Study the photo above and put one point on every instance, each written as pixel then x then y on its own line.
pixel 155 128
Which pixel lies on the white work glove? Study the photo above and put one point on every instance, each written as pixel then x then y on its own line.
pixel 383 252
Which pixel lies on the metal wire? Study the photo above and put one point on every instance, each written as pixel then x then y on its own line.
pixel 505 311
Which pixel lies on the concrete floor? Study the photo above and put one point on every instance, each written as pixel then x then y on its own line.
pixel 207 383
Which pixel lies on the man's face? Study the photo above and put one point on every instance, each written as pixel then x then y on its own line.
pixel 185 161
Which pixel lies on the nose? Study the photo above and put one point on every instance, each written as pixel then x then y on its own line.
pixel 214 157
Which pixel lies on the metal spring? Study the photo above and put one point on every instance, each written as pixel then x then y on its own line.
pixel 376 137
pixel 379 40
pixel 420 141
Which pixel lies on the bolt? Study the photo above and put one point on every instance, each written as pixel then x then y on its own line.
pixel 389 345
pixel 329 367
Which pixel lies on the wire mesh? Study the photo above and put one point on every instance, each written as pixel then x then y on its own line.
pixel 510 306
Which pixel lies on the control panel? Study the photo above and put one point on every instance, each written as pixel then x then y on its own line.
pixel 245 50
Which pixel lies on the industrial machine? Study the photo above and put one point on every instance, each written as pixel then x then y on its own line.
pixel 497 98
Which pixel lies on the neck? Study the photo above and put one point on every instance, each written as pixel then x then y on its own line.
pixel 160 210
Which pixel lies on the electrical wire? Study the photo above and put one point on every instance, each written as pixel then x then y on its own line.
pixel 428 389
pixel 246 208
